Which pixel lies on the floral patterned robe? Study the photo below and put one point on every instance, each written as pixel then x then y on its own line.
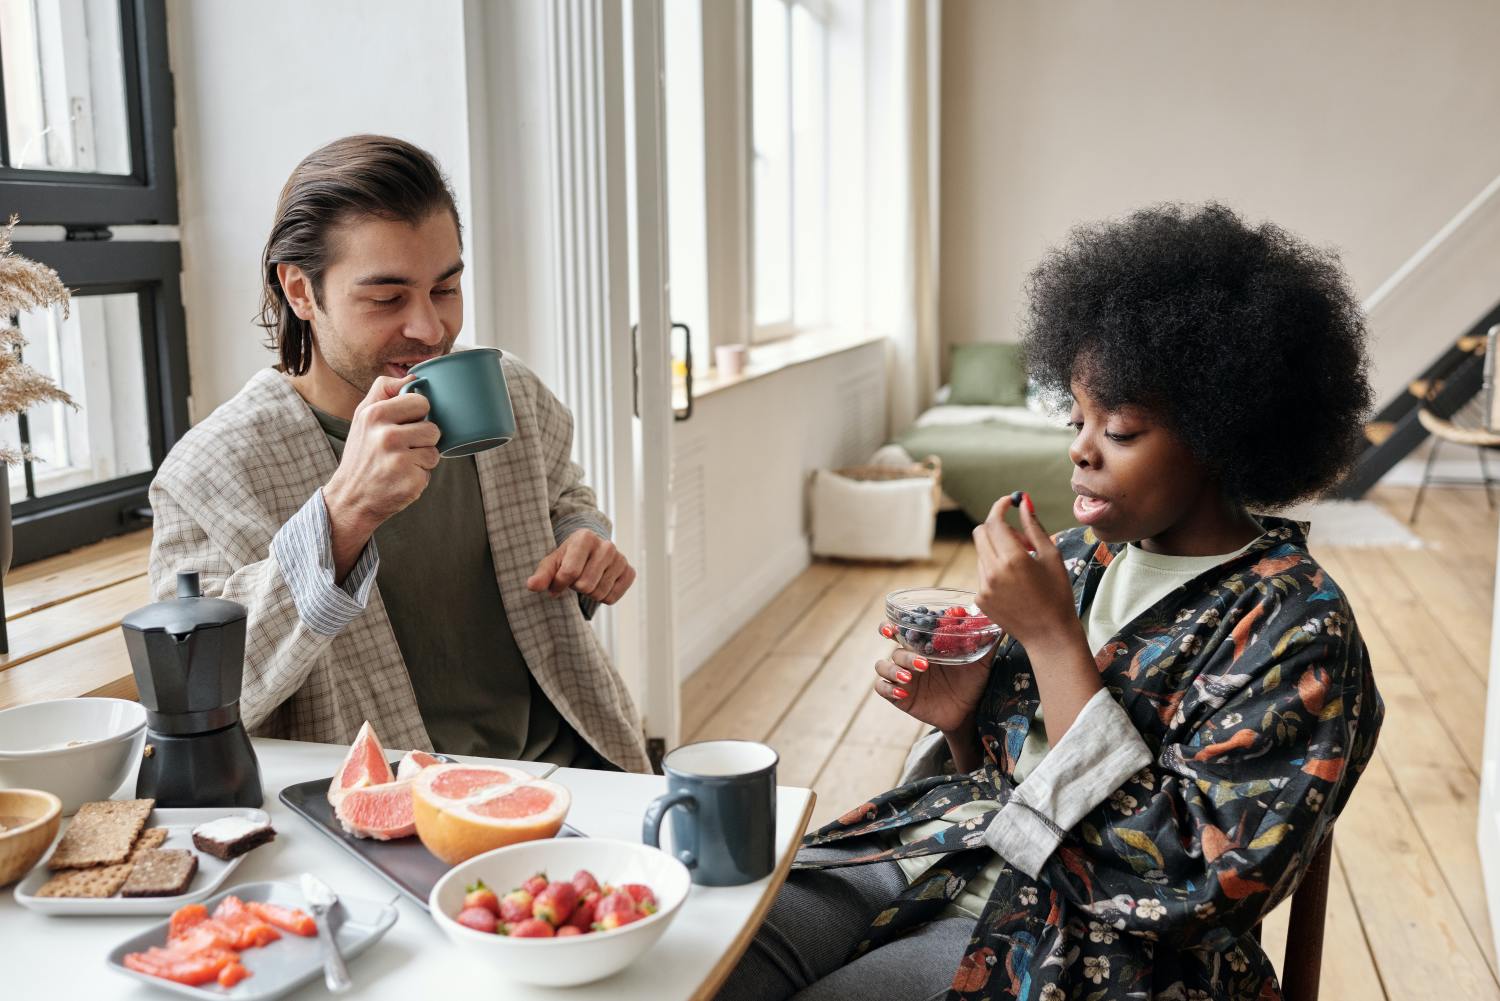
pixel 1253 691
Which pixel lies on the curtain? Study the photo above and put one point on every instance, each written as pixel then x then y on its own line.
pixel 902 73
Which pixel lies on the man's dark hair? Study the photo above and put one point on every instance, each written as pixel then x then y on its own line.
pixel 1248 341
pixel 362 175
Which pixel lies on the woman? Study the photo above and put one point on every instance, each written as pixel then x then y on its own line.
pixel 1182 703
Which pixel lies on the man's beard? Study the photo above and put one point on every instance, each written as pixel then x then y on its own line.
pixel 361 373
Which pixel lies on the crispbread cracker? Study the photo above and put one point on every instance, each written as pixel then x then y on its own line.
pixel 161 874
pixel 100 881
pixel 102 833
pixel 150 840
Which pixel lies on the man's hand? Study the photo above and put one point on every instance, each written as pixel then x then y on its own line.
pixel 387 463
pixel 592 566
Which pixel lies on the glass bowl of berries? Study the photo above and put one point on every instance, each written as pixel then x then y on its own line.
pixel 942 624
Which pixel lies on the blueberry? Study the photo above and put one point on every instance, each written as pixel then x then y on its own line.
pixel 927 648
pixel 921 609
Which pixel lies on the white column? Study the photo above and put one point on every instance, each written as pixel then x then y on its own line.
pixel 591 301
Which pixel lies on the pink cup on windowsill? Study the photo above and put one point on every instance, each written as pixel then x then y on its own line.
pixel 729 359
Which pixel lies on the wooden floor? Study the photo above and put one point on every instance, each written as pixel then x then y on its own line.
pixel 1407 917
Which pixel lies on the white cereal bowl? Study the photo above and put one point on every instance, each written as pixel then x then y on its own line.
pixel 80 750
pixel 580 959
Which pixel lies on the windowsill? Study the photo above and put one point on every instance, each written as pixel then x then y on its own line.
pixel 768 359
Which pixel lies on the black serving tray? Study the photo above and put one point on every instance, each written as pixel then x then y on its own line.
pixel 405 863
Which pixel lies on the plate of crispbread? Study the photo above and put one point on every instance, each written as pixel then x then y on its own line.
pixel 126 857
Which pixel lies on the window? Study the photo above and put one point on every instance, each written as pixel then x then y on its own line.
pixel 789 123
pixel 86 144
pixel 87 136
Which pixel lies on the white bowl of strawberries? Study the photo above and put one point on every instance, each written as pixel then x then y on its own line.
pixel 561 911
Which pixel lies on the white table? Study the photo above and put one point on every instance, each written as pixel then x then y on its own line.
pixel 47 954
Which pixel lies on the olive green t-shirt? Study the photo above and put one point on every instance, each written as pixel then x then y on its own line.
pixel 437 579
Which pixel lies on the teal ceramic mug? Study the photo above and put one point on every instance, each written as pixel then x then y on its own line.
pixel 470 400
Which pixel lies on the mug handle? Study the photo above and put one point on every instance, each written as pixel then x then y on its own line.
pixel 412 387
pixel 651 825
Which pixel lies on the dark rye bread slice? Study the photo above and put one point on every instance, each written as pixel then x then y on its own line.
pixel 231 837
pixel 161 873
pixel 102 833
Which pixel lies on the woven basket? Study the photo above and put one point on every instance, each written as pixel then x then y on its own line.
pixel 930 467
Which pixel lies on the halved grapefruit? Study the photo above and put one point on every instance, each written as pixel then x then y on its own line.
pixel 364 765
pixel 381 812
pixel 463 810
pixel 414 762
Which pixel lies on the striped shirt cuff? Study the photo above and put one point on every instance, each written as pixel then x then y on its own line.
pixel 573 522
pixel 303 548
pixel 1094 758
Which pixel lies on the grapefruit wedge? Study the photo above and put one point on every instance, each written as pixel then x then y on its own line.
pixel 382 812
pixel 413 763
pixel 364 765
pixel 464 810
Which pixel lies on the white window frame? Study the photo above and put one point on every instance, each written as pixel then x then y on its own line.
pixel 761 333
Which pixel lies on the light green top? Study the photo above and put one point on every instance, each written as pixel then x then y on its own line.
pixel 1133 582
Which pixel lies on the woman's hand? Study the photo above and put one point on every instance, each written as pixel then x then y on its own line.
pixel 1029 596
pixel 1032 598
pixel 945 697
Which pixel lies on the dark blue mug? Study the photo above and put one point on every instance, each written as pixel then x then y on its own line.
pixel 722 797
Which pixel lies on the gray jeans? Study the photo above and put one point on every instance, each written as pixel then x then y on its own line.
pixel 818 918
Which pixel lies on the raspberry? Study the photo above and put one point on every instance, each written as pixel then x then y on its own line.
pixel 946 643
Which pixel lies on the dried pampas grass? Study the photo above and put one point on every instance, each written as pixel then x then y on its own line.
pixel 24 285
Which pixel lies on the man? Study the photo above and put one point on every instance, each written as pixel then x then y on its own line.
pixel 446 601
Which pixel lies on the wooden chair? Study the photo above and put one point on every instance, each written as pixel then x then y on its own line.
pixel 1302 964
pixel 1466 427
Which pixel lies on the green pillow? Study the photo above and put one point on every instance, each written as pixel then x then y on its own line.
pixel 987 374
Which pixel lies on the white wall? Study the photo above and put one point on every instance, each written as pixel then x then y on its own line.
pixel 1361 124
pixel 739 480
pixel 350 66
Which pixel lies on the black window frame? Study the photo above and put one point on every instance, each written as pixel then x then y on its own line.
pixel 89 260
pixel 59 522
pixel 148 194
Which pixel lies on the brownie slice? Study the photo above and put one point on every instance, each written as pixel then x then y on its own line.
pixel 231 837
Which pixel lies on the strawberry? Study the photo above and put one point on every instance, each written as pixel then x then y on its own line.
pixel 615 910
pixel 956 612
pixel 536 884
pixel 567 930
pixel 477 918
pixel 583 914
pixel 480 895
pixel 532 928
pixel 555 904
pixel 585 883
pixel 617 919
pixel 515 906
pixel 645 900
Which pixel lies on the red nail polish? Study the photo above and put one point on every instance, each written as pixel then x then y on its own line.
pixel 900 693
pixel 1026 500
pixel 920 663
pixel 903 676
pixel 887 631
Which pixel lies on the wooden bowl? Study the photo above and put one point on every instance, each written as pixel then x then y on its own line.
pixel 22 847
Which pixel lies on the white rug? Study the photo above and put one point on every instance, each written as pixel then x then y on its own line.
pixel 1352 523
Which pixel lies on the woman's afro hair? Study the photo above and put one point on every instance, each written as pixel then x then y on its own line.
pixel 1248 341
